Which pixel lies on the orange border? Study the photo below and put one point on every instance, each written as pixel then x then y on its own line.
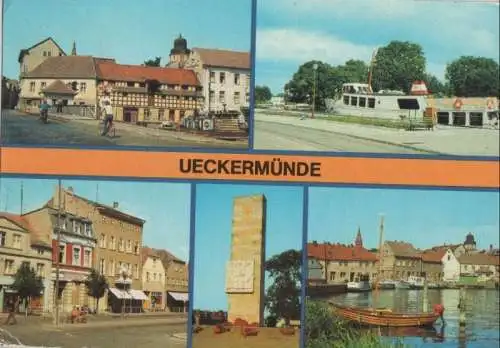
pixel 150 165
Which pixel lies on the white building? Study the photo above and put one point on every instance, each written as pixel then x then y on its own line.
pixel 451 267
pixel 223 74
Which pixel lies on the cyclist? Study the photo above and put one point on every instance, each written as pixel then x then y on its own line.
pixel 44 111
pixel 108 117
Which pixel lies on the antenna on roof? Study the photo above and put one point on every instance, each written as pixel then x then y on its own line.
pixel 22 194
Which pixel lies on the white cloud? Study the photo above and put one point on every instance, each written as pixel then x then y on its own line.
pixel 299 46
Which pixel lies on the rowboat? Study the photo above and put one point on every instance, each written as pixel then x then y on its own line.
pixel 384 317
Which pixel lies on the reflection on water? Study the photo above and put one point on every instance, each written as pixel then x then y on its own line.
pixel 7 340
pixel 482 315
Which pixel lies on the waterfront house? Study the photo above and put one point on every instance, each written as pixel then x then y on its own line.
pixel 73 244
pixel 343 263
pixel 153 279
pixel 432 263
pixel 479 266
pixel 224 74
pixel 400 260
pixel 19 243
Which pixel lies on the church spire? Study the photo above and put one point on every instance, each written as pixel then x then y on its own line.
pixel 359 239
pixel 73 50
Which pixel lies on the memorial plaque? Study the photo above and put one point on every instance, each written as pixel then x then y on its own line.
pixel 240 277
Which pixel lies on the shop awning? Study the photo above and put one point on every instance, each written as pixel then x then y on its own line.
pixel 179 296
pixel 120 294
pixel 138 295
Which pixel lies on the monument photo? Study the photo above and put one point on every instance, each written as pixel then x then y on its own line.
pixel 247 266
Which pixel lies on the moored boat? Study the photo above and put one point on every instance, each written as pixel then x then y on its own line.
pixel 359 285
pixel 386 285
pixel 384 316
pixel 416 282
pixel 402 285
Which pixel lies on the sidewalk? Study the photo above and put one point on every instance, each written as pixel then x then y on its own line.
pixel 443 140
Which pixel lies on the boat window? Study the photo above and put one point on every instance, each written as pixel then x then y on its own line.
pixel 346 100
pixel 362 102
pixel 371 103
pixel 354 101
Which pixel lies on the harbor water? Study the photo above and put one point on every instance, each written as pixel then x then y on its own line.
pixel 482 315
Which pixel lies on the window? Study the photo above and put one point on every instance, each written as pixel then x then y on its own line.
pixel 147 114
pixel 102 266
pixel 222 78
pixel 83 87
pixel 129 246
pixel 45 53
pixel 154 276
pixel 161 114
pixel 77 256
pixel 88 230
pixel 121 245
pixel 236 98
pixel 211 97
pixel 371 103
pixel 332 275
pixel 212 77
pixel 136 248
pixel 39 251
pixel 32 86
pixel 25 68
pixel 43 85
pixel 237 79
pixel 147 276
pixel 49 53
pixel 16 241
pixel 222 97
pixel 247 97
pixel 112 243
pixel 136 272
pixel 40 269
pixel 112 268
pixel 362 102
pixel 3 236
pixel 62 254
pixel 9 267
pixel 87 262
pixel 102 241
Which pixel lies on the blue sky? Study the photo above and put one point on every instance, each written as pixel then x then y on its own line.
pixel 214 208
pixel 130 31
pixel 291 32
pixel 425 218
pixel 164 206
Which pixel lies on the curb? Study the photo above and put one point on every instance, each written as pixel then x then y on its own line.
pixel 117 325
pixel 385 142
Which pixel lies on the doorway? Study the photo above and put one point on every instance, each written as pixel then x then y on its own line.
pixel 130 115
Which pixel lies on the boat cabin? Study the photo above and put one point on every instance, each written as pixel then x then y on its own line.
pixel 356 88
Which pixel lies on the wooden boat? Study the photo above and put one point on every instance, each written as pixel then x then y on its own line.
pixel 384 317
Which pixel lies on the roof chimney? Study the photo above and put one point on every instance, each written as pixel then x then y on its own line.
pixel 115 205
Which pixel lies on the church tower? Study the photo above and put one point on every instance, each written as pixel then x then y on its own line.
pixel 359 239
pixel 179 53
pixel 73 50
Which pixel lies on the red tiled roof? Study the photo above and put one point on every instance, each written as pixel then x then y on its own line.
pixel 58 87
pixel 137 73
pixel 22 222
pixel 65 67
pixel 224 58
pixel 434 255
pixel 339 252
pixel 479 259
pixel 403 249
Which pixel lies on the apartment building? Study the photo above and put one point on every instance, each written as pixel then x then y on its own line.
pixel 19 244
pixel 153 280
pixel 176 281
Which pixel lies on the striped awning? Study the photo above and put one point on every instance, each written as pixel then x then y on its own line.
pixel 179 296
pixel 120 294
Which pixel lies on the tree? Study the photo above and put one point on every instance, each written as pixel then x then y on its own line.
pixel 435 86
pixel 96 286
pixel 352 71
pixel 473 77
pixel 153 62
pixel 262 94
pixel 283 295
pixel 27 284
pixel 300 88
pixel 398 65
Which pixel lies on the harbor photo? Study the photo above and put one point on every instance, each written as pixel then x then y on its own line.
pixel 247 266
pixel 93 263
pixel 402 268
pixel 182 80
pixel 387 76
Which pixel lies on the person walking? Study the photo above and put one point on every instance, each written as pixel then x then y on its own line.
pixel 108 118
pixel 12 307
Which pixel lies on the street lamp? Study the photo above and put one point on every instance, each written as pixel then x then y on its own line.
pixel 315 68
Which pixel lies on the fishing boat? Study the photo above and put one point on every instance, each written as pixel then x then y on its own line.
pixel 433 286
pixel 416 282
pixel 362 284
pixel 384 316
pixel 386 285
pixel 402 285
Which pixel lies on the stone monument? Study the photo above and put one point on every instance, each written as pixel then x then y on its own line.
pixel 245 270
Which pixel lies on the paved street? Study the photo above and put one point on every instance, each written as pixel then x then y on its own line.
pixel 274 132
pixel 25 129
pixel 145 333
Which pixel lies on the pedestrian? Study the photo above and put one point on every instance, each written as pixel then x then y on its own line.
pixel 12 307
pixel 108 118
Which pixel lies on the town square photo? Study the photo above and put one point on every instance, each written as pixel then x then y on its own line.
pixel 402 268
pixel 94 263
pixel 150 73
pixel 384 76
pixel 247 273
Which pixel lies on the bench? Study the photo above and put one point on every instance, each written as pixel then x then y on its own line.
pixel 427 123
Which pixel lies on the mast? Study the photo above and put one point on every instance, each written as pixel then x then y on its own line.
pixel 380 243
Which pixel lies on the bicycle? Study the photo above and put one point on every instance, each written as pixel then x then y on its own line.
pixel 111 131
